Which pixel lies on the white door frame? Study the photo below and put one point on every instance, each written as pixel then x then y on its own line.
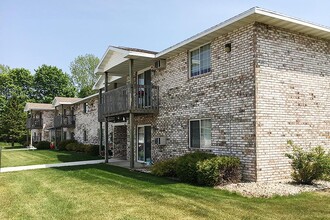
pixel 137 141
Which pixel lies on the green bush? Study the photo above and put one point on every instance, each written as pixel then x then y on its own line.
pixel 92 149
pixel 42 145
pixel 71 147
pixel 217 170
pixel 80 147
pixel 62 145
pixel 308 165
pixel 165 168
pixel 186 166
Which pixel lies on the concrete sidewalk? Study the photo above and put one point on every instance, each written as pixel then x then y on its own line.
pixel 17 149
pixel 42 166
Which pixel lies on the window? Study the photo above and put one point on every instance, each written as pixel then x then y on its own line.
pixel 85 135
pixel 85 107
pixel 64 135
pixel 200 60
pixel 200 133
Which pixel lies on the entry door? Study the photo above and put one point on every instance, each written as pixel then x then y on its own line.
pixel 144 144
pixel 144 89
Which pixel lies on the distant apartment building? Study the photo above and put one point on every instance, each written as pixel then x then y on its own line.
pixel 39 121
pixel 58 121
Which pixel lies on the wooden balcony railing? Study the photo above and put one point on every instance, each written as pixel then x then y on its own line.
pixel 34 123
pixel 118 101
pixel 68 121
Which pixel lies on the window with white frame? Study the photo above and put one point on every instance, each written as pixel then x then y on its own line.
pixel 200 60
pixel 200 133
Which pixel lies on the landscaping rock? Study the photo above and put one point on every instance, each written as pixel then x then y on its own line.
pixel 267 190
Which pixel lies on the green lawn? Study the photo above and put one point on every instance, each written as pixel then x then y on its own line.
pixel 6 145
pixel 22 158
pixel 107 192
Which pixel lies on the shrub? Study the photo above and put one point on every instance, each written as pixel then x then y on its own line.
pixel 165 168
pixel 42 145
pixel 62 145
pixel 92 149
pixel 71 146
pixel 186 166
pixel 80 147
pixel 308 165
pixel 217 170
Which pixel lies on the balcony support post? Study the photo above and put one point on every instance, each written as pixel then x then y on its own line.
pixel 62 122
pixel 106 149
pixel 100 117
pixel 131 115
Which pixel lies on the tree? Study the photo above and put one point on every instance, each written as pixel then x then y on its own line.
pixel 13 119
pixel 85 91
pixel 49 81
pixel 15 91
pixel 4 68
pixel 23 79
pixel 82 73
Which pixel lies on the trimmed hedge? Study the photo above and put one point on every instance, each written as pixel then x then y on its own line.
pixel 92 149
pixel 186 166
pixel 83 148
pixel 200 168
pixel 218 170
pixel 43 145
pixel 165 168
pixel 62 145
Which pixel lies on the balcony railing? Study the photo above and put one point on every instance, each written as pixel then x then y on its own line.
pixel 34 123
pixel 118 101
pixel 68 121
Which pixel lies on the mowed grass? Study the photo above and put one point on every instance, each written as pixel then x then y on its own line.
pixel 5 145
pixel 22 158
pixel 107 192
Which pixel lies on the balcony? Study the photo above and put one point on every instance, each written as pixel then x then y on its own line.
pixel 118 101
pixel 34 123
pixel 65 121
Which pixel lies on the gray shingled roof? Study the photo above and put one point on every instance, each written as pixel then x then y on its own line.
pixel 38 106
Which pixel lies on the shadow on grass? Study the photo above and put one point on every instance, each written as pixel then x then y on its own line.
pixel 114 172
pixel 68 156
pixel 10 147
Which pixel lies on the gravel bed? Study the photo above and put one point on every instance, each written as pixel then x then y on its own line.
pixel 267 190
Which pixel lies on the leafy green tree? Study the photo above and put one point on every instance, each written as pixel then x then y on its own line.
pixel 85 91
pixel 49 81
pixel 15 91
pixel 13 119
pixel 4 69
pixel 23 79
pixel 82 73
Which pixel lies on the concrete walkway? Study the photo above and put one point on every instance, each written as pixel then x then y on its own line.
pixel 42 166
pixel 17 149
pixel 112 161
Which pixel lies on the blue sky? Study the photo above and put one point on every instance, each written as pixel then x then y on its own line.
pixel 54 32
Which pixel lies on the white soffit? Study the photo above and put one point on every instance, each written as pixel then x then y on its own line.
pixel 253 15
